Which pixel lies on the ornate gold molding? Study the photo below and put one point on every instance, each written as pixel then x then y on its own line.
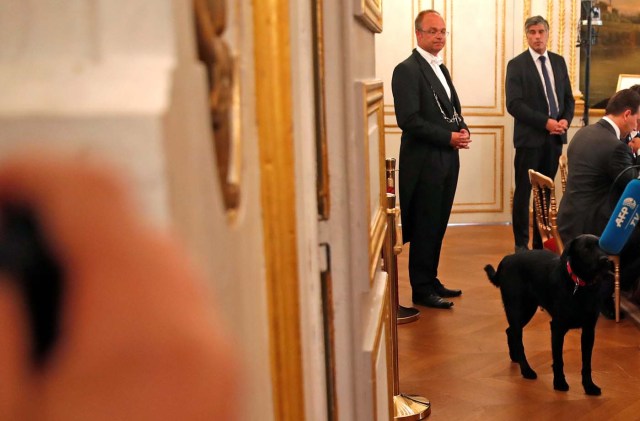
pixel 550 20
pixel 372 104
pixel 369 13
pixel 275 136
pixel 224 96
pixel 383 329
pixel 499 98
pixel 574 50
pixel 562 8
pixel 526 12
pixel 322 155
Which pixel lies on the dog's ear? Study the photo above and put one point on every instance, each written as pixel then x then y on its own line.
pixel 568 248
pixel 604 262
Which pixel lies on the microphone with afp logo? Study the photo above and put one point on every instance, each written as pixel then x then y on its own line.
pixel 623 221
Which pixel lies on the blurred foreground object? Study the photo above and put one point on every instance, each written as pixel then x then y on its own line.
pixel 137 335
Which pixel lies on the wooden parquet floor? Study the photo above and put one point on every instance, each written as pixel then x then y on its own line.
pixel 458 358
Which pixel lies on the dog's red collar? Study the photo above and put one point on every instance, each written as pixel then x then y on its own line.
pixel 579 282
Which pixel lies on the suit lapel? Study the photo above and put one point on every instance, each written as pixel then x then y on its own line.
pixel 435 83
pixel 555 67
pixel 454 96
pixel 533 69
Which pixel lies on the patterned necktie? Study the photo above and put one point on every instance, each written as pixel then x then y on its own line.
pixel 553 107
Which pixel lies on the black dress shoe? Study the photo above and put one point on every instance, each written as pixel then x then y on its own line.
pixel 432 300
pixel 447 293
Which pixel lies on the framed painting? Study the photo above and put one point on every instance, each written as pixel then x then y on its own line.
pixel 615 56
pixel 626 81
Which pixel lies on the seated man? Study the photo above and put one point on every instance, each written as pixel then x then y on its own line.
pixel 600 166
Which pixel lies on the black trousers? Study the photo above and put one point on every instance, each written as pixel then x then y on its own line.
pixel 543 159
pixel 430 210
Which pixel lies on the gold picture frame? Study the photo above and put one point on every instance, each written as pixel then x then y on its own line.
pixel 369 13
pixel 626 81
pixel 372 123
pixel 322 154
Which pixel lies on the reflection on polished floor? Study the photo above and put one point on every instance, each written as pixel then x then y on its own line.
pixel 458 358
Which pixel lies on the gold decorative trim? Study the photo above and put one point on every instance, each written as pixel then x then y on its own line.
pixel 384 322
pixel 499 98
pixel 550 20
pixel 274 115
pixel 412 25
pixel 446 55
pixel 373 103
pixel 574 49
pixel 504 49
pixel 369 13
pixel 595 113
pixel 526 12
pixel 562 12
pixel 322 155
pixel 328 316
pixel 223 77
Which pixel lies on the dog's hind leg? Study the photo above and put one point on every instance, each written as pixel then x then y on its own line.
pixel 557 344
pixel 519 317
pixel 586 344
pixel 516 352
pixel 519 312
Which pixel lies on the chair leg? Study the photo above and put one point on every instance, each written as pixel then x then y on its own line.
pixel 616 285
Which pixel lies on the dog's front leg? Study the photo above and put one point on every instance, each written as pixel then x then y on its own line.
pixel 558 332
pixel 586 343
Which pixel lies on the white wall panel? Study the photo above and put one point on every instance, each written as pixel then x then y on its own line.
pixel 476 56
pixel 481 187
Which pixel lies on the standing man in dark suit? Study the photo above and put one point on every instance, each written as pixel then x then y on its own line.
pixel 539 97
pixel 599 169
pixel 428 112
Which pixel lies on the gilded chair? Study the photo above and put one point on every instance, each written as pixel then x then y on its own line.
pixel 614 259
pixel 564 171
pixel 545 211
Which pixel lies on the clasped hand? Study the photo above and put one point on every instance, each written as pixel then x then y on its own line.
pixel 460 140
pixel 557 127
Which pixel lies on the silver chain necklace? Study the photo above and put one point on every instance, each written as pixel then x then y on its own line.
pixel 455 119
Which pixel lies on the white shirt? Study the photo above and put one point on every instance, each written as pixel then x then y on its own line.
pixel 536 60
pixel 435 62
pixel 615 126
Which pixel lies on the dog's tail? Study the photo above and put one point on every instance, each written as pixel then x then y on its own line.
pixel 491 274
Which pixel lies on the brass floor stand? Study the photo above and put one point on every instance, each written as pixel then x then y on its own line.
pixel 406 407
pixel 411 408
pixel 404 314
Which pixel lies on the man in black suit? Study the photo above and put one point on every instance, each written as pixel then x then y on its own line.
pixel 599 169
pixel 428 112
pixel 540 99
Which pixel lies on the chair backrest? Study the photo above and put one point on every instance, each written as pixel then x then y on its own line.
pixel 545 210
pixel 564 171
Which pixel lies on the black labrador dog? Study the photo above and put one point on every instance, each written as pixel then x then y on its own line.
pixel 566 287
